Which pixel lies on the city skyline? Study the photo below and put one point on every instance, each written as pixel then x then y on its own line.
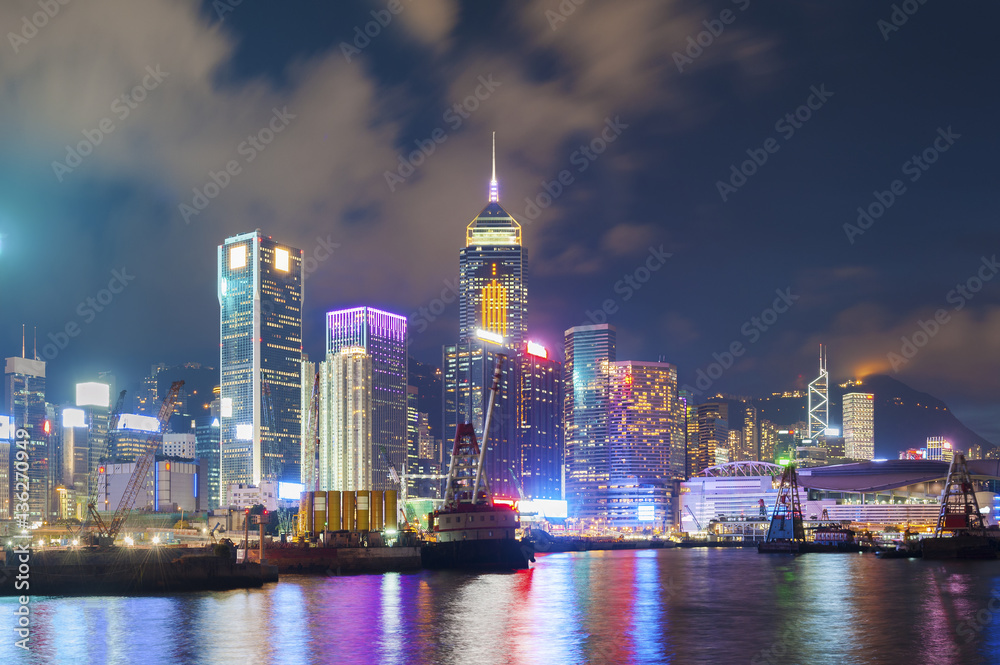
pixel 593 235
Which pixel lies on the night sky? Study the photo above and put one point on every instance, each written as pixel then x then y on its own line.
pixel 677 119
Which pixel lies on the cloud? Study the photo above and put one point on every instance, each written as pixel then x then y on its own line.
pixel 431 21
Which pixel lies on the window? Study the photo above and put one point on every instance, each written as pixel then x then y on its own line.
pixel 281 259
pixel 237 257
pixel 493 518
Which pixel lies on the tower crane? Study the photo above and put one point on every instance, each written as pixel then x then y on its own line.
pixel 108 532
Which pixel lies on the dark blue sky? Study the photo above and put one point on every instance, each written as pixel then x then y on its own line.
pixel 322 181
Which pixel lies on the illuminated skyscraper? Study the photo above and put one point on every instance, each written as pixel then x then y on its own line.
pixel 645 432
pixel 713 434
pixel 493 293
pixel 539 422
pixel 382 336
pixel 346 451
pixel 24 400
pixel 260 289
pixel 590 351
pixel 859 426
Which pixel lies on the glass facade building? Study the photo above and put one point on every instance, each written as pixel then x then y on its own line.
pixel 382 335
pixel 590 351
pixel 24 401
pixel 539 423
pixel 260 290
pixel 859 426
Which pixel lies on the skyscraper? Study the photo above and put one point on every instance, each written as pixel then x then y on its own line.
pixel 590 350
pixel 492 284
pixel 24 401
pixel 539 422
pixel 382 335
pixel 260 289
pixel 713 434
pixel 346 426
pixel 859 426
pixel 645 428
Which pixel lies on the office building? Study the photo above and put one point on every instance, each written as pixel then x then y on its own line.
pixel 382 337
pixel 713 435
pixel 940 449
pixel 859 426
pixel 347 452
pixel 539 400
pixel 180 446
pixel 24 401
pixel 493 293
pixel 260 290
pixel 590 351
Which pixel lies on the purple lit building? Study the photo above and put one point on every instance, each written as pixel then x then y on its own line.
pixel 383 337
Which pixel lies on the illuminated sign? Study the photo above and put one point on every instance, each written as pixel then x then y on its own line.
pixel 141 423
pixel 72 418
pixel 93 394
pixel 537 350
pixel 6 428
pixel 290 491
pixel 782 431
pixel 832 431
pixel 544 508
pixel 215 422
pixel 244 432
pixel 489 336
pixel 646 513
pixel 281 259
pixel 47 427
pixel 227 407
pixel 237 257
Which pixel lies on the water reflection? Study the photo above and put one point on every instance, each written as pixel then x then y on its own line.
pixel 653 606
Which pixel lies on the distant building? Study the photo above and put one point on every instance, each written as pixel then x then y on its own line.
pixel 24 401
pixel 940 449
pixel 382 336
pixel 539 398
pixel 260 289
pixel 859 426
pixel 241 497
pixel 645 431
pixel 181 446
pixel 590 350
pixel 347 448
pixel 713 434
pixel 169 486
pixel 207 450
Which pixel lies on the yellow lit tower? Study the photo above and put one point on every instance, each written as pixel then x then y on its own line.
pixel 493 295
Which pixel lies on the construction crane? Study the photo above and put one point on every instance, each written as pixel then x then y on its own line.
pixel 92 484
pixel 108 532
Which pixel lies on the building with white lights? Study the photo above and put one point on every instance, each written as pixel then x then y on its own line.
pixel 859 426
pixel 539 422
pixel 260 290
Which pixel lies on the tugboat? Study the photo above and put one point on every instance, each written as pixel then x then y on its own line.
pixel 961 532
pixel 472 531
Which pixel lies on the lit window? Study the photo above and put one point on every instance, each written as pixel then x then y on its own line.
pixel 281 259
pixel 227 407
pixel 237 257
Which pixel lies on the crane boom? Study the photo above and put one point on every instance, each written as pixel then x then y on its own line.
pixel 93 481
pixel 142 464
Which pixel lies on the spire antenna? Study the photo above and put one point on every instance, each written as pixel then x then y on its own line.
pixel 494 188
pixel 22 341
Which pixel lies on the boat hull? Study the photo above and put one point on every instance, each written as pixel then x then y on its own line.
pixel 494 554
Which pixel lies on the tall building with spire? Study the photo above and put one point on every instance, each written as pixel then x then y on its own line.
pixel 493 299
pixel 493 292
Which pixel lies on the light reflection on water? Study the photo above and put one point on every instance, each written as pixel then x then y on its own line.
pixel 647 606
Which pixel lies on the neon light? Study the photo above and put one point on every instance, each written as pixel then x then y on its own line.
pixel 71 418
pixel 537 350
pixel 93 394
pixel 489 336
pixel 244 432
pixel 135 421
pixel 237 257
pixel 281 259
pixel 47 427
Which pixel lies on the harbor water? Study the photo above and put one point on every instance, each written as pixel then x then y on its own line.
pixel 634 606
